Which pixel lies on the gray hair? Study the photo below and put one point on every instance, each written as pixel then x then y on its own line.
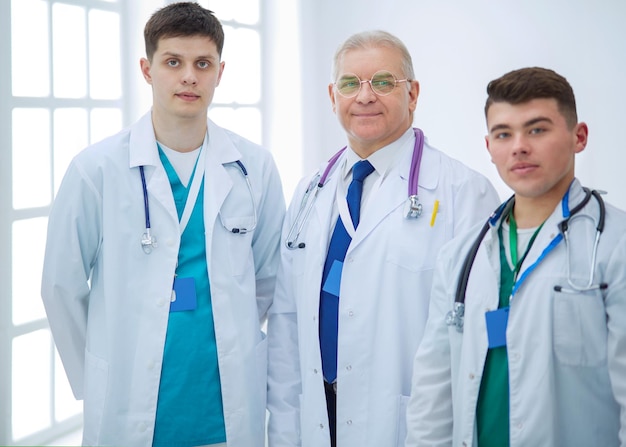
pixel 374 39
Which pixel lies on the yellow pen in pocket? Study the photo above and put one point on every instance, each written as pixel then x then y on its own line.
pixel 434 216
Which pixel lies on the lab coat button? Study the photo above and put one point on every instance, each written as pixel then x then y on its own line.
pixel 151 365
pixel 315 371
pixel 322 426
pixel 170 242
pixel 471 376
pixel 349 422
pixel 351 313
pixel 349 368
pixel 161 302
pixel 143 426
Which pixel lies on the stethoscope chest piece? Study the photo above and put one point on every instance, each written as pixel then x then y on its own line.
pixel 412 207
pixel 148 242
pixel 455 316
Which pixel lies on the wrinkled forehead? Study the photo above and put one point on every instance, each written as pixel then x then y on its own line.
pixel 364 62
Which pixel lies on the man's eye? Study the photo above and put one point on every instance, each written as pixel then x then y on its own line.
pixel 382 82
pixel 203 64
pixel 172 63
pixel 348 83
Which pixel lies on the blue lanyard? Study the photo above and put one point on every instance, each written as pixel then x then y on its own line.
pixel 553 243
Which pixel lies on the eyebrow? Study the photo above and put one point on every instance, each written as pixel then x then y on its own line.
pixel 528 123
pixel 180 56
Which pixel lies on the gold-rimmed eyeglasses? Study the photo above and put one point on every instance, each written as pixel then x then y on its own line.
pixel 382 83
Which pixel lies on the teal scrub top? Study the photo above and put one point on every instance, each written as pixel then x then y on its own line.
pixel 189 408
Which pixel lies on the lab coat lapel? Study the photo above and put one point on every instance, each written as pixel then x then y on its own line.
pixel 217 181
pixel 319 226
pixel 143 151
pixel 393 191
pixel 550 228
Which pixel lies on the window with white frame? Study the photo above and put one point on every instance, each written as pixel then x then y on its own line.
pixel 63 92
pixel 237 101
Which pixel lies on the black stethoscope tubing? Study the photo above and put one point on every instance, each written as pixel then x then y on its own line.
pixel 459 298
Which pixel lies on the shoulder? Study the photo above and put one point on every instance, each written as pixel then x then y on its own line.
pixel 459 246
pixel 247 148
pixel 109 153
pixel 447 164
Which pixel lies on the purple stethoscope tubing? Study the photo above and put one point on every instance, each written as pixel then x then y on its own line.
pixel 414 209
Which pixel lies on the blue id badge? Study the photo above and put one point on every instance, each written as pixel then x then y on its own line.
pixel 332 284
pixel 183 295
pixel 496 326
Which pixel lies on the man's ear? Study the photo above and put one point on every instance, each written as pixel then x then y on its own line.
pixel 581 132
pixel 145 65
pixel 488 149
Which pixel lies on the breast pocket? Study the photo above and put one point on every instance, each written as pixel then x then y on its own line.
pixel 412 243
pixel 580 330
pixel 239 242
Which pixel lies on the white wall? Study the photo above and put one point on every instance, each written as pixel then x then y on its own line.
pixel 458 46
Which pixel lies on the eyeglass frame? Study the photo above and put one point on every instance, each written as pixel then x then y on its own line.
pixel 369 81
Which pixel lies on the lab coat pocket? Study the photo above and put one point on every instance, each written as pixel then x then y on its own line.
pixel 239 244
pixel 412 244
pixel 580 331
pixel 401 429
pixel 96 385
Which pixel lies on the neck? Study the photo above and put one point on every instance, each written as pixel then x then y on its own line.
pixel 532 212
pixel 180 135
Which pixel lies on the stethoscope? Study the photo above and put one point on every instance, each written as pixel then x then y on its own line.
pixel 413 207
pixel 455 317
pixel 149 241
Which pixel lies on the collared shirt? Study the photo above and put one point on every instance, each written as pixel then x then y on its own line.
pixel 383 160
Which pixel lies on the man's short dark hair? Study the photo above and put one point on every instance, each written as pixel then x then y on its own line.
pixel 182 19
pixel 526 84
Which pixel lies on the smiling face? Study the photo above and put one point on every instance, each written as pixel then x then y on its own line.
pixel 183 73
pixel 373 121
pixel 533 147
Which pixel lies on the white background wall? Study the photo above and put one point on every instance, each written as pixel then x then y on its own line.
pixel 458 46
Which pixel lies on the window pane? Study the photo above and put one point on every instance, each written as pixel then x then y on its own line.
pixel 31 158
pixel 31 383
pixel 65 406
pixel 29 239
pixel 30 58
pixel 69 51
pixel 70 136
pixel 243 11
pixel 104 55
pixel 105 122
pixel 241 81
pixel 246 121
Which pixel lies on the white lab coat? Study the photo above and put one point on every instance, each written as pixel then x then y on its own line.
pixel 108 302
pixel 383 307
pixel 566 352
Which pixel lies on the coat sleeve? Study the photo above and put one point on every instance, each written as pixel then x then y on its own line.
pixel 615 303
pixel 271 212
pixel 73 240
pixel 475 199
pixel 284 380
pixel 429 411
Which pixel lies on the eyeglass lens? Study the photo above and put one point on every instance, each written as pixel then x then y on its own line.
pixel 382 83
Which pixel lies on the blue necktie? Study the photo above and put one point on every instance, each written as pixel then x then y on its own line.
pixel 339 242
